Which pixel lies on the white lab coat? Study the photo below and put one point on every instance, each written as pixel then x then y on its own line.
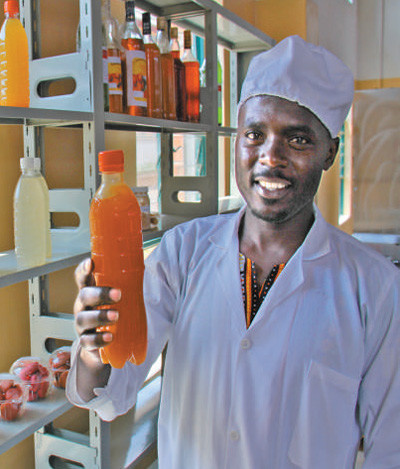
pixel 318 367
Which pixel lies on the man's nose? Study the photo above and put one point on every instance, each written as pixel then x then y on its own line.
pixel 272 153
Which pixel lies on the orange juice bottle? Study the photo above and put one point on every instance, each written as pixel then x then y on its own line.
pixel 153 70
pixel 134 64
pixel 116 243
pixel 14 63
pixel 167 68
pixel 179 70
pixel 192 77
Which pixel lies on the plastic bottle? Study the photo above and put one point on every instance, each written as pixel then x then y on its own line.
pixel 14 63
pixel 134 64
pixel 167 67
pixel 219 84
pixel 115 85
pixel 192 77
pixel 153 70
pixel 116 242
pixel 179 71
pixel 31 215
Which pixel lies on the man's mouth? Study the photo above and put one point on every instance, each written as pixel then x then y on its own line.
pixel 271 187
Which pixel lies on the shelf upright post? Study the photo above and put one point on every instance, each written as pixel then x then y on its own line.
pixel 207 185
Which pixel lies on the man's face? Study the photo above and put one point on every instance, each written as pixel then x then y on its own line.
pixel 281 150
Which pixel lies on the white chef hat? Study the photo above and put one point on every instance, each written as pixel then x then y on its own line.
pixel 306 74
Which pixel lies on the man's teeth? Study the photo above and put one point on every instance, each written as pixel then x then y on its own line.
pixel 272 186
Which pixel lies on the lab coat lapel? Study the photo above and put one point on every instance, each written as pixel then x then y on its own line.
pixel 226 245
pixel 315 245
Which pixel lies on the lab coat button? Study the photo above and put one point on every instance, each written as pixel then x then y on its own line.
pixel 245 344
pixel 234 435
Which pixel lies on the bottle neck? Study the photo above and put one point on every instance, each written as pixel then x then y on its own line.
pixel 148 39
pixel 188 56
pixel 112 178
pixel 8 15
pixel 162 41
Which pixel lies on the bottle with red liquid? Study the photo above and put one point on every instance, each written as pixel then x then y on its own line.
pixel 167 68
pixel 115 86
pixel 179 71
pixel 117 253
pixel 134 64
pixel 153 70
pixel 192 78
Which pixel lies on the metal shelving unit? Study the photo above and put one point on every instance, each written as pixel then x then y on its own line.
pixel 84 108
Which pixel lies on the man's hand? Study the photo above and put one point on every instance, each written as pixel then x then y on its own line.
pixel 91 372
pixel 87 317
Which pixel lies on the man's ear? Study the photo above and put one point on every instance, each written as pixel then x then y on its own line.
pixel 331 154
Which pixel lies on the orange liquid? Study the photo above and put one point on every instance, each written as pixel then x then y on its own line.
pixel 168 86
pixel 192 79
pixel 116 241
pixel 14 64
pixel 180 87
pixel 154 83
pixel 132 44
pixel 115 100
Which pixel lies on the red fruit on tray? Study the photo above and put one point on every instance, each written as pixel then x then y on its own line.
pixel 34 375
pixel 60 363
pixel 9 410
pixel 14 392
pixel 5 384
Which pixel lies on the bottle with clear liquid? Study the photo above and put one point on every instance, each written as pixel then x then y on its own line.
pixel 153 70
pixel 31 216
pixel 14 63
pixel 133 64
pixel 219 84
pixel 179 71
pixel 192 79
pixel 167 68
pixel 116 243
pixel 114 62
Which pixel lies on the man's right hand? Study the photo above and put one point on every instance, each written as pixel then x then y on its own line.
pixel 91 372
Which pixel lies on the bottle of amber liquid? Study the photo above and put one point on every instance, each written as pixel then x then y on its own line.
pixel 153 70
pixel 115 87
pixel 167 68
pixel 133 65
pixel 179 71
pixel 192 79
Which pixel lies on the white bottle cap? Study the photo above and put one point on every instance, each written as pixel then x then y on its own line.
pixel 30 163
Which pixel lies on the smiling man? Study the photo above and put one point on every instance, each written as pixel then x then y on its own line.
pixel 283 332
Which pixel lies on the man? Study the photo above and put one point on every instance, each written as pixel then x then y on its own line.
pixel 283 332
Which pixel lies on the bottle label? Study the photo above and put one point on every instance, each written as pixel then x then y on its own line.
pixel 114 75
pixel 105 66
pixel 136 81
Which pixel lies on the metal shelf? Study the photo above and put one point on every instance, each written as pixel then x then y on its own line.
pixel 37 414
pixel 232 31
pixel 63 257
pixel 35 116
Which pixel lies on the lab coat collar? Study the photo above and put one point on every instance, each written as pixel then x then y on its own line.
pixel 226 241
pixel 315 245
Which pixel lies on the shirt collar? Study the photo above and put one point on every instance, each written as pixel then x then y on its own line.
pixel 315 245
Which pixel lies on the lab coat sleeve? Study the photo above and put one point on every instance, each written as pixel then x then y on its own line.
pixel 160 288
pixel 379 395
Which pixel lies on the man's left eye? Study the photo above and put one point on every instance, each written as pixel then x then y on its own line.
pixel 299 140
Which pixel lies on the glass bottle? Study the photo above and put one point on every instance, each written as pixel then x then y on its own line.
pixel 153 70
pixel 115 86
pixel 179 71
pixel 14 63
pixel 167 69
pixel 192 79
pixel 117 253
pixel 134 64
pixel 219 84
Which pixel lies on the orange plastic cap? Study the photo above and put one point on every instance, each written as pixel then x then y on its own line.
pixel 111 161
pixel 11 7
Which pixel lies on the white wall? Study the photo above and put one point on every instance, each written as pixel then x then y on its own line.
pixel 333 25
